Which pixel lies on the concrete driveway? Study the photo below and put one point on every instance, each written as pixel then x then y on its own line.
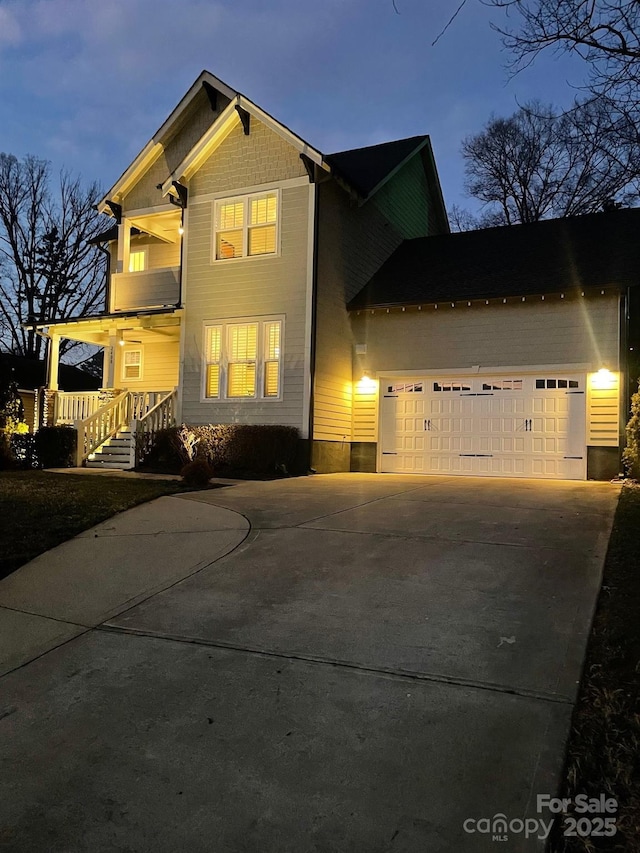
pixel 336 663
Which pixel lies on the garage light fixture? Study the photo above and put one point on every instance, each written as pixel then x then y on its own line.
pixel 603 380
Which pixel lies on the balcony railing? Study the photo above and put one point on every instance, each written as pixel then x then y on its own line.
pixel 149 289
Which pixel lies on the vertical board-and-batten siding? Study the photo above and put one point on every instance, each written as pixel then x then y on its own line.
pixel 247 287
pixel 533 333
pixel 404 200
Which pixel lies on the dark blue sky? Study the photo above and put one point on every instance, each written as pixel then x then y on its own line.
pixel 85 83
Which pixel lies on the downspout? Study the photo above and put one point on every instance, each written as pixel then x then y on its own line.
pixel 107 289
pixel 179 302
pixel 314 318
pixel 625 398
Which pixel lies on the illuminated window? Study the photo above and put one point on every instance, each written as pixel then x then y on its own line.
pixel 246 226
pixel 213 352
pixel 272 359
pixel 138 260
pixel 243 360
pixel 132 364
pixel 242 352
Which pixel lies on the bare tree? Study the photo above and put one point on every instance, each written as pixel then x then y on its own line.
pixel 537 164
pixel 605 34
pixel 47 268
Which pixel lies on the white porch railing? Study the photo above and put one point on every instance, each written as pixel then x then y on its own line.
pixel 144 412
pixel 145 428
pixel 70 407
pixel 101 425
pixel 143 401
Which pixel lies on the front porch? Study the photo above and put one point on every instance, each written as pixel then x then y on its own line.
pixel 117 423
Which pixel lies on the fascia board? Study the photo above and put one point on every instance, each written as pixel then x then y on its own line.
pixel 154 147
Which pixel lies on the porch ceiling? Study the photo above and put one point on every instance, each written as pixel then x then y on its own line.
pixel 164 225
pixel 140 328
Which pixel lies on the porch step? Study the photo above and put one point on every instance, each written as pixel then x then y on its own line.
pixel 115 453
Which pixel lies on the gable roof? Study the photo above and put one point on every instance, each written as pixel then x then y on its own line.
pixel 366 169
pixel 155 145
pixel 551 256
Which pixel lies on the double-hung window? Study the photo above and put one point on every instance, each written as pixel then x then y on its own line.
pixel 132 364
pixel 243 359
pixel 246 226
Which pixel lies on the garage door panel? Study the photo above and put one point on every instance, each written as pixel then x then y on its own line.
pixel 520 426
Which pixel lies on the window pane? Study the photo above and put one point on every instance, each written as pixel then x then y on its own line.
pixel 272 340
pixel 271 379
pixel 263 209
pixel 213 343
pixel 262 241
pixel 243 342
pixel 231 215
pixel 213 380
pixel 242 380
pixel 229 244
pixel 136 261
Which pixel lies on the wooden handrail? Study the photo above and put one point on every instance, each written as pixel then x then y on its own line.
pixel 160 416
pixel 101 425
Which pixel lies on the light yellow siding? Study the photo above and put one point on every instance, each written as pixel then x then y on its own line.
pixel 247 287
pixel 553 332
pixel 603 413
pixel 159 366
pixel 365 407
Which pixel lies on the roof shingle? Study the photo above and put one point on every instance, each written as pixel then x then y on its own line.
pixel 556 255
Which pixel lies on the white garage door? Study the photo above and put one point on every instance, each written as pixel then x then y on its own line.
pixel 512 425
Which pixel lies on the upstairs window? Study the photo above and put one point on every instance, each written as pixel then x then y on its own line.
pixel 246 226
pixel 243 360
pixel 138 260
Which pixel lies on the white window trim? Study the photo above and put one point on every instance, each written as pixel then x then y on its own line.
pixel 127 349
pixel 244 197
pixel 145 251
pixel 224 326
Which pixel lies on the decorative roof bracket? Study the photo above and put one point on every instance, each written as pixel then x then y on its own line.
pixel 245 118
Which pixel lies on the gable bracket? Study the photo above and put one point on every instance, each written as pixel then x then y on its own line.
pixel 245 118
pixel 179 195
pixel 116 210
pixel 310 166
pixel 212 95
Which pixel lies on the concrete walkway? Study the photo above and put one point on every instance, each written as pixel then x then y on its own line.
pixel 334 663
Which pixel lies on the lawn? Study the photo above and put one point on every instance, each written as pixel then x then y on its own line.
pixel 39 510
pixel 603 755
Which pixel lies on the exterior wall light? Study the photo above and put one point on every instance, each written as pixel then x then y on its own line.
pixel 603 380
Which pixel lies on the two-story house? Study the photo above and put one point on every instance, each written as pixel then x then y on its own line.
pixel 254 279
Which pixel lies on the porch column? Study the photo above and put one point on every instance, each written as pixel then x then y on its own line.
pixel 124 246
pixel 53 362
pixel 109 373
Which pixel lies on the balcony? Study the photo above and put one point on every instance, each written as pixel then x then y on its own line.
pixel 152 288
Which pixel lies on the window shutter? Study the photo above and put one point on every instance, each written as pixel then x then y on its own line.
pixel 242 380
pixel 212 355
pixel 137 261
pixel 272 359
